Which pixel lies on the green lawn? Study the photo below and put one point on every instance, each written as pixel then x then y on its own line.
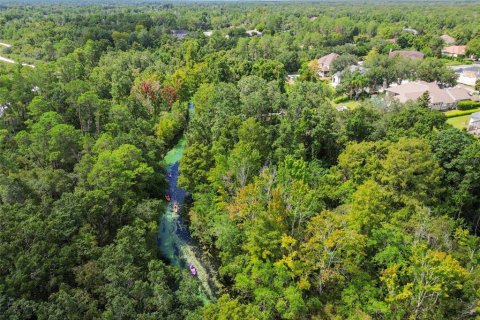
pixel 350 104
pixel 459 122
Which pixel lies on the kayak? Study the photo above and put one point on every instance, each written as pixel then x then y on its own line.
pixel 193 270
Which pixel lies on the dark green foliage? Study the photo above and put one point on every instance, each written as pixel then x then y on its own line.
pixel 467 105
pixel 304 211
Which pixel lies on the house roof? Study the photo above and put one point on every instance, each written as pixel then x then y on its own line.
pixel 458 94
pixel 406 54
pixel 413 91
pixel 467 70
pixel 459 50
pixel 325 61
pixel 447 39
pixel 409 87
pixel 353 68
pixel 254 32
pixel 180 34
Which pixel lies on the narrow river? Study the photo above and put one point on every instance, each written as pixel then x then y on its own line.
pixel 174 239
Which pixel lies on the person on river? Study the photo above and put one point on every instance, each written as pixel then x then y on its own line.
pixel 175 207
pixel 192 268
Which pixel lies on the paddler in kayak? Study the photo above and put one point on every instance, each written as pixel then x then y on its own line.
pixel 175 207
pixel 192 268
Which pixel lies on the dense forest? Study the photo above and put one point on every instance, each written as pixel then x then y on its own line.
pixel 304 211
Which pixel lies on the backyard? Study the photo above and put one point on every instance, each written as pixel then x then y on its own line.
pixel 350 104
pixel 459 122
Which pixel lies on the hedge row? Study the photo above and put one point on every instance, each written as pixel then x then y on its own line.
pixel 459 113
pixel 468 105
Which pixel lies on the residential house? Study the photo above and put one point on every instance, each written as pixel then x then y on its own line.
pixel 474 123
pixel 292 77
pixel 447 39
pixel 440 99
pixel 409 54
pixel 207 33
pixel 323 64
pixel 254 33
pixel 454 51
pixel 179 34
pixel 4 108
pixel 337 77
pixel 467 74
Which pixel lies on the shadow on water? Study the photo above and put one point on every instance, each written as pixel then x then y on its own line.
pixel 174 240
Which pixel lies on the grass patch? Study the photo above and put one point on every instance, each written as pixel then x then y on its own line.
pixel 459 113
pixel 351 104
pixel 460 122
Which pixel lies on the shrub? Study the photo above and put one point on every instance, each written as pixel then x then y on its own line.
pixel 468 105
pixel 459 113
pixel 343 98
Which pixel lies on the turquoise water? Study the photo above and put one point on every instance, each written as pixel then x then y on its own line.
pixel 174 239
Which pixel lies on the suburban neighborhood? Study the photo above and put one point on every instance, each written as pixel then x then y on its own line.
pixel 442 96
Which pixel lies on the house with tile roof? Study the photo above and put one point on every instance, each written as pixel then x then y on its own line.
pixel 440 99
pixel 323 64
pixel 454 51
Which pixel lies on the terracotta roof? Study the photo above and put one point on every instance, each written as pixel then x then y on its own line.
pixel 459 50
pixel 325 61
pixel 447 39
pixel 406 54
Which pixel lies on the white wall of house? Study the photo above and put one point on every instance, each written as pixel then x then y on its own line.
pixel 442 106
pixel 474 123
pixel 336 79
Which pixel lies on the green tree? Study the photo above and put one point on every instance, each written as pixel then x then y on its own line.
pixel 411 170
pixel 473 47
pixel 194 166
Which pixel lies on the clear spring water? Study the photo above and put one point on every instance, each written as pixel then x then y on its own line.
pixel 174 239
